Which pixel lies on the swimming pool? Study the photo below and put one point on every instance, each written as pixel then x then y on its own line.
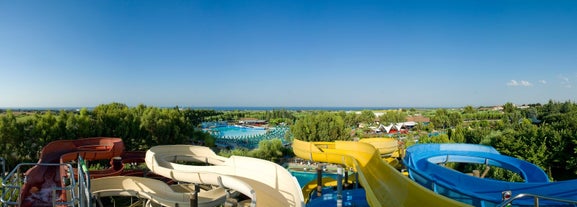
pixel 233 131
pixel 305 177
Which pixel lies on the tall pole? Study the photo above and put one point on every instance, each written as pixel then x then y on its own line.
pixel 319 180
pixel 357 180
pixel 194 197
pixel 339 186
pixel 346 183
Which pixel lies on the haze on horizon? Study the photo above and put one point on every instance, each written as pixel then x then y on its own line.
pixel 287 53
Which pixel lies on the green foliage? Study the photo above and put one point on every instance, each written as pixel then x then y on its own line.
pixel 469 110
pixel 271 150
pixel 544 135
pixel 441 138
pixel 367 117
pixel 393 116
pixel 237 151
pixel 504 175
pixel 482 115
pixel 441 118
pixel 140 128
pixel 196 117
pixel 444 119
pixel 322 126
pixel 281 115
pixel 457 135
pixel 455 119
pixel 509 108
pixel 351 119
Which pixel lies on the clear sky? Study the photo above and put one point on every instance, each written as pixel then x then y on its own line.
pixel 287 53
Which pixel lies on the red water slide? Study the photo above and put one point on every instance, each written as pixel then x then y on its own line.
pixel 40 179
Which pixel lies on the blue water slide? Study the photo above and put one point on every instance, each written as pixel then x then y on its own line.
pixel 425 165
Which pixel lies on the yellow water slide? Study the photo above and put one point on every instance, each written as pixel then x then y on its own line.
pixel 384 185
pixel 385 146
pixel 389 149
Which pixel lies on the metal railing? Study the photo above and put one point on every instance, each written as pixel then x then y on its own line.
pixel 3 163
pixel 78 188
pixel 13 182
pixel 84 184
pixel 536 198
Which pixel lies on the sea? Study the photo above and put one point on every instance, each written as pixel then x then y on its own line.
pixel 239 108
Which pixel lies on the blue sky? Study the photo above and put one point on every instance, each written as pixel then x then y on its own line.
pixel 287 53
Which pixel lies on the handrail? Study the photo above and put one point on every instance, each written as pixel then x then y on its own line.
pixel 12 182
pixel 84 183
pixel 536 198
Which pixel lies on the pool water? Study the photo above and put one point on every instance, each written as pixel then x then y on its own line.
pixel 239 131
pixel 305 177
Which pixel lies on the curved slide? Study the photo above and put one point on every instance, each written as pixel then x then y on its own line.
pixel 385 146
pixel 388 149
pixel 156 191
pixel 384 185
pixel 41 179
pixel 424 162
pixel 264 182
pixel 117 165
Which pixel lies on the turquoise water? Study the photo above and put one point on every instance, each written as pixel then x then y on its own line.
pixel 239 131
pixel 305 177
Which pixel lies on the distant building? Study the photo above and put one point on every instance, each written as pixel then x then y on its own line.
pixel 418 119
pixel 402 127
pixel 252 122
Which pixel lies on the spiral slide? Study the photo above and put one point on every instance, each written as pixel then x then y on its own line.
pixel 264 182
pixel 383 184
pixel 425 165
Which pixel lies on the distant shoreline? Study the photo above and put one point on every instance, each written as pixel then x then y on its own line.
pixel 238 108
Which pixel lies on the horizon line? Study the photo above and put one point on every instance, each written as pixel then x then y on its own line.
pixel 250 107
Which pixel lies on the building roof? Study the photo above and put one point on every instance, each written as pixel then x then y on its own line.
pixel 418 119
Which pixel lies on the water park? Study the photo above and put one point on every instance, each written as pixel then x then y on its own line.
pixel 377 171
pixel 245 136
pixel 341 173
pixel 175 175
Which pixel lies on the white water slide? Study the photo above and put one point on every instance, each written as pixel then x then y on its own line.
pixel 265 183
pixel 156 191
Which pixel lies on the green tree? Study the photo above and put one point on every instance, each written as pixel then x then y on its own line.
pixel 351 119
pixel 393 116
pixel 454 119
pixel 10 136
pixel 441 138
pixel 322 126
pixel 457 135
pixel 509 107
pixel 441 118
pixel 469 110
pixel 367 116
pixel 271 150
pixel 109 119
